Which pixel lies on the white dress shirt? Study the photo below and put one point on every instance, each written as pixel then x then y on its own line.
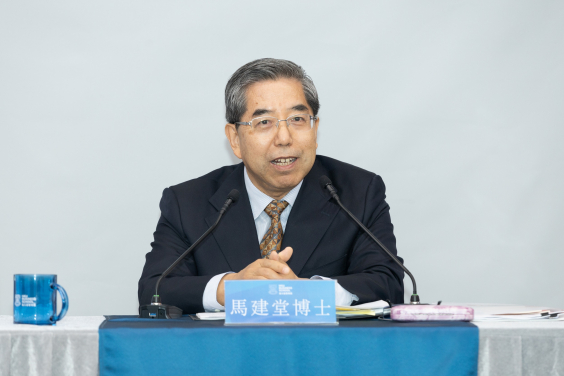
pixel 259 201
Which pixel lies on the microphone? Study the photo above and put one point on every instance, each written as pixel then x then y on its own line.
pixel 326 184
pixel 415 311
pixel 157 310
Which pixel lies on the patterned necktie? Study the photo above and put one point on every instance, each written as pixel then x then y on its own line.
pixel 272 240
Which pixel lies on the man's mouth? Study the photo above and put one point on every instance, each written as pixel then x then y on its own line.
pixel 283 161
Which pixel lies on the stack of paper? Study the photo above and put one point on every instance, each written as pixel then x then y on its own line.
pixel 514 313
pixel 372 309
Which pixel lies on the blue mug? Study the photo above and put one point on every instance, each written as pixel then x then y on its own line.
pixel 35 299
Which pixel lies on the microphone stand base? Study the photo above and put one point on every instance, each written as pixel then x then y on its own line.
pixel 159 311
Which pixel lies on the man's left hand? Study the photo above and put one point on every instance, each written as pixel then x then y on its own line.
pixel 283 257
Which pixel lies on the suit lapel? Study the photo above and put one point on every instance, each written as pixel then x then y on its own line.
pixel 236 234
pixel 309 219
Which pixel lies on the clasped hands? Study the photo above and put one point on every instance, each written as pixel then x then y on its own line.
pixel 274 267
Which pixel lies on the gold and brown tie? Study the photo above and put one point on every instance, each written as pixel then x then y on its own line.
pixel 272 240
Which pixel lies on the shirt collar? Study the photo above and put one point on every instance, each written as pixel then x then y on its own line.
pixel 259 200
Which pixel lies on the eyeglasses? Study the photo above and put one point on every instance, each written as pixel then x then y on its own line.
pixel 267 124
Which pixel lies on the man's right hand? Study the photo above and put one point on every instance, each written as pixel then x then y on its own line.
pixel 260 269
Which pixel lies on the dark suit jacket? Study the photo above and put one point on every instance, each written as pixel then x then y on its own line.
pixel 325 240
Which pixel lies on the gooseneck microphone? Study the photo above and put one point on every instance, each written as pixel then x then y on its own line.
pixel 326 184
pixel 157 310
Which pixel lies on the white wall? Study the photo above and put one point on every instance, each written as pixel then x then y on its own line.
pixel 458 105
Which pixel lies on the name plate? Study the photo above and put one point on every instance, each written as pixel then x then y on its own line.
pixel 262 302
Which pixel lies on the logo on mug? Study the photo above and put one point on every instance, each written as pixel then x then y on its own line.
pixel 17 301
pixel 29 301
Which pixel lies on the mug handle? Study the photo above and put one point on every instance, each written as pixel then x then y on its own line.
pixel 64 300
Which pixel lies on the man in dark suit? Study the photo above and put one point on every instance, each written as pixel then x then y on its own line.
pixel 284 225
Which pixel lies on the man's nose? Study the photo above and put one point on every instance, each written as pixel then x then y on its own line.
pixel 283 136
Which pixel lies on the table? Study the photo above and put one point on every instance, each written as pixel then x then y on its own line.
pixel 521 348
pixel 130 346
pixel 71 348
pixel 68 348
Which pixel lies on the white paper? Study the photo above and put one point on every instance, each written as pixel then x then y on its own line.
pixel 371 305
pixel 211 315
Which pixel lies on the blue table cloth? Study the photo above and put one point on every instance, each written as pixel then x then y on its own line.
pixel 133 346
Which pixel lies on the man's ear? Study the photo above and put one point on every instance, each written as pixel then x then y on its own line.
pixel 233 137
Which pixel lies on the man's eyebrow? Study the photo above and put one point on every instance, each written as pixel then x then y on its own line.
pixel 261 111
pixel 300 107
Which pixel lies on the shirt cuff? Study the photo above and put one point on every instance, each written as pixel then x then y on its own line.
pixel 343 298
pixel 209 299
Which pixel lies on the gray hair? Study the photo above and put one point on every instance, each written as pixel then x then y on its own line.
pixel 264 70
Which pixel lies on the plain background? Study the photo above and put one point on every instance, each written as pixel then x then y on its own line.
pixel 457 105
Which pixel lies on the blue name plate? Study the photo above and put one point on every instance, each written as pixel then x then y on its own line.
pixel 280 302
